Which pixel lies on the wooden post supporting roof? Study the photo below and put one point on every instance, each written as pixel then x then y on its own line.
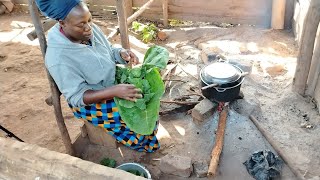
pixel 129 10
pixel 54 89
pixel 278 14
pixel 123 7
pixel 123 26
pixel 314 72
pixel 165 12
pixel 306 47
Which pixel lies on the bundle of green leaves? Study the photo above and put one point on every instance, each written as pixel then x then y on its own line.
pixel 141 116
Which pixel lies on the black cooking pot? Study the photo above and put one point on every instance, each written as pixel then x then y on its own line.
pixel 221 81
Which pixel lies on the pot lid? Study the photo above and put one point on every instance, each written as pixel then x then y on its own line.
pixel 220 73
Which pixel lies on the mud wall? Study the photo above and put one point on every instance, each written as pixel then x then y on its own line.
pixel 26 161
pixel 255 12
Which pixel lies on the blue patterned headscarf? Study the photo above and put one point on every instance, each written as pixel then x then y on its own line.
pixel 56 9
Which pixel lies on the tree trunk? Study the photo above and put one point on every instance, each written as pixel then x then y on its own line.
pixel 306 48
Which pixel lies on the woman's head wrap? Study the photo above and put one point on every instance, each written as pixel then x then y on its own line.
pixel 56 9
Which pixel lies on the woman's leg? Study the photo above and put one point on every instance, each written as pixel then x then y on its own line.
pixel 106 115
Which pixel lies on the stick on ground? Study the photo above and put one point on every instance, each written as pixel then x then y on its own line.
pixel 277 148
pixel 180 102
pixel 215 155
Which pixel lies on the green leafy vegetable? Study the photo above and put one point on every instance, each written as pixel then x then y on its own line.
pixel 148 32
pixel 141 116
pixel 156 56
pixel 108 162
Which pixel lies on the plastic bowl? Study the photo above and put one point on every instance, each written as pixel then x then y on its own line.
pixel 136 167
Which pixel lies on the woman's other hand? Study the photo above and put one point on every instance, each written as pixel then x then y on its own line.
pixel 129 56
pixel 128 92
pixel 124 91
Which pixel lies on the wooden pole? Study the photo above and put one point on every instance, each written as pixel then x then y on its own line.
pixel 314 72
pixel 47 24
pixel 123 26
pixel 129 10
pixel 165 12
pixel 139 12
pixel 215 154
pixel 54 89
pixel 306 48
pixel 180 102
pixel 276 147
pixel 278 14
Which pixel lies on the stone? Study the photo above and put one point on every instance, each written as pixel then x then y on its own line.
pixel 162 35
pixel 79 143
pixel 276 70
pixel 154 171
pixel 99 136
pixel 200 169
pixel 203 111
pixel 209 55
pixel 83 130
pixel 176 165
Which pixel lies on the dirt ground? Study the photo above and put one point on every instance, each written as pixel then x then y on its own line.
pixel 272 54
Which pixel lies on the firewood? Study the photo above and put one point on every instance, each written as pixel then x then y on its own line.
pixel 215 154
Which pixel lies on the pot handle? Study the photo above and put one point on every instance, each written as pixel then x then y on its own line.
pixel 244 74
pixel 209 86
pixel 221 90
pixel 223 60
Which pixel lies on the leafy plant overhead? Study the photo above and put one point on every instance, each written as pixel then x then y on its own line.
pixel 141 116
pixel 148 32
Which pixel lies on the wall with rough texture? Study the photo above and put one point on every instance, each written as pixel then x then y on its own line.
pixel 300 12
pixel 257 12
pixel 26 161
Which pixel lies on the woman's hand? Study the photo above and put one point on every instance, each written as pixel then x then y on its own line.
pixel 124 91
pixel 127 91
pixel 129 56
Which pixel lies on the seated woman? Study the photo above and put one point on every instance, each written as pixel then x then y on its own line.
pixel 82 63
